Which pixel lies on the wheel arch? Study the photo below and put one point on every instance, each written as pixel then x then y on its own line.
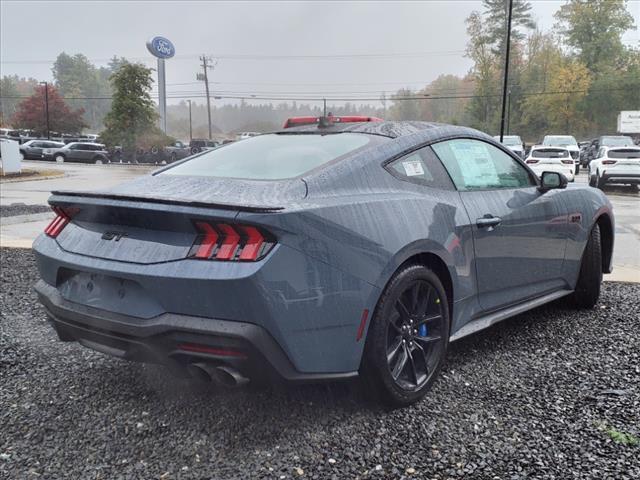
pixel 605 223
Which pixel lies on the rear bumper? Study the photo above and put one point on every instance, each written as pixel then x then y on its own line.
pixel 621 177
pixel 169 339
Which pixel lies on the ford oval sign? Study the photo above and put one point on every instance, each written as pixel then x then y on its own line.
pixel 161 47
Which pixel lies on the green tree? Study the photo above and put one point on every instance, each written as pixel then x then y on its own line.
pixel 404 106
pixel 495 15
pixel 594 30
pixel 85 86
pixel 132 117
pixel 563 103
pixel 485 75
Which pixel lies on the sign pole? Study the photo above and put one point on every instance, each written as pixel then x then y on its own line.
pixel 162 100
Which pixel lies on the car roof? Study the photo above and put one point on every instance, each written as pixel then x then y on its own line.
pixel 391 129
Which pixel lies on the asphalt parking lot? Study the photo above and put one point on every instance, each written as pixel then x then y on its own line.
pixel 553 393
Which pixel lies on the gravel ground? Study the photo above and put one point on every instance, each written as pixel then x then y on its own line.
pixel 532 397
pixel 22 209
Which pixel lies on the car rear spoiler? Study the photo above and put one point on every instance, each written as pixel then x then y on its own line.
pixel 167 201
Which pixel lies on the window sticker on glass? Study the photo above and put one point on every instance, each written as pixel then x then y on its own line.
pixel 475 162
pixel 413 168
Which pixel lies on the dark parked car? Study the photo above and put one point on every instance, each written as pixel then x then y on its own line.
pixel 321 253
pixel 34 149
pixel 79 152
pixel 198 145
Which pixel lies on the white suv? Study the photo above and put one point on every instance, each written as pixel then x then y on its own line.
pixel 568 142
pixel 551 159
pixel 615 165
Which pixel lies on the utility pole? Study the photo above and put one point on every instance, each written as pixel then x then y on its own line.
pixel 190 130
pixel 508 110
pixel 207 64
pixel 506 70
pixel 46 106
pixel 324 107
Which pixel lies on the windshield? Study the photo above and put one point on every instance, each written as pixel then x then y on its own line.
pixel 273 156
pixel 559 140
pixel 511 140
pixel 617 142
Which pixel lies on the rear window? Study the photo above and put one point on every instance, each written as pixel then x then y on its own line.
pixel 630 153
pixel 272 156
pixel 617 142
pixel 549 153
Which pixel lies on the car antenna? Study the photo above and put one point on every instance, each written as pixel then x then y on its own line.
pixel 325 121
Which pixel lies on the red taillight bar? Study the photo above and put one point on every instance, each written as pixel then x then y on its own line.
pixel 229 243
pixel 63 217
pixel 567 162
pixel 609 162
pixel 255 240
pixel 209 241
pixel 222 241
pixel 530 161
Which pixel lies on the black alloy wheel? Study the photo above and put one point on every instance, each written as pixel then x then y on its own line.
pixel 408 336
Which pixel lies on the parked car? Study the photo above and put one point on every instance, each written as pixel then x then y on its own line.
pixel 551 159
pixel 569 143
pixel 513 143
pixel 78 152
pixel 245 135
pixel 319 254
pixel 607 141
pixel 177 151
pixel 615 165
pixel 34 149
pixel 199 145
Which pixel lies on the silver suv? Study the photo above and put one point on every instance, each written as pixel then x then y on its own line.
pixel 79 152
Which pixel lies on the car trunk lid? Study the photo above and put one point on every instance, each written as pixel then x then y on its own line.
pixel 150 221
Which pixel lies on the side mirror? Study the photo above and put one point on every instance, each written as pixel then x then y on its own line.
pixel 552 180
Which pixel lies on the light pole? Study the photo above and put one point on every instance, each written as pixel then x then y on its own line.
pixel 506 70
pixel 46 106
pixel 190 131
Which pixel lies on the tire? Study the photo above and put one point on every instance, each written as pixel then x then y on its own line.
pixel 194 150
pixel 59 158
pixel 587 289
pixel 600 183
pixel 577 169
pixel 401 359
pixel 98 161
pixel 173 157
pixel 592 180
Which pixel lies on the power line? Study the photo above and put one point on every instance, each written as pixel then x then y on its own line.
pixel 232 56
pixel 344 98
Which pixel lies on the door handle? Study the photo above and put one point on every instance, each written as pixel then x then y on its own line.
pixel 488 221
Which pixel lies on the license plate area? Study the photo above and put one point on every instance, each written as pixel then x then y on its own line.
pixel 108 293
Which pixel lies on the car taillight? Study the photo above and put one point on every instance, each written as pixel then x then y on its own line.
pixel 230 242
pixel 609 162
pixel 531 161
pixel 63 217
pixel 567 162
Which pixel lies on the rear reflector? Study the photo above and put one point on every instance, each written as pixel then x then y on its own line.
pixel 363 323
pixel 63 217
pixel 223 241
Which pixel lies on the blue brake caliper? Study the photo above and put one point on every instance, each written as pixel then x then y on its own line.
pixel 423 331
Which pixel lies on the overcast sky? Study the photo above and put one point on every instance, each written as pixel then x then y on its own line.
pixel 385 45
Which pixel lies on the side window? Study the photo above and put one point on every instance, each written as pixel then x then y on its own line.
pixel 423 167
pixel 477 165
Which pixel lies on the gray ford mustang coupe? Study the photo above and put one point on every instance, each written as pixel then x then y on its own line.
pixel 320 252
